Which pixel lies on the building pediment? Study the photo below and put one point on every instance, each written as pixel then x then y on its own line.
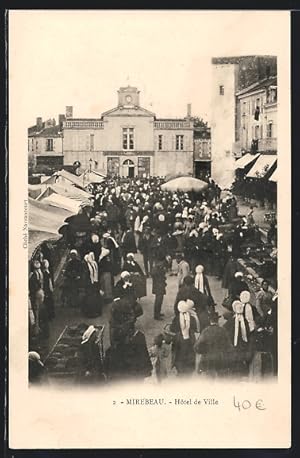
pixel 128 111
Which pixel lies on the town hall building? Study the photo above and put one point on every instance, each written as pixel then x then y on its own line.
pixel 129 140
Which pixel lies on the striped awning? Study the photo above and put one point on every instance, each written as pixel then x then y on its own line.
pixel 59 201
pixel 245 160
pixel 274 176
pixel 63 176
pixel 262 166
pixel 45 218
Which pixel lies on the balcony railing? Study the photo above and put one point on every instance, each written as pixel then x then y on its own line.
pixel 267 144
pixel 83 124
pixel 173 124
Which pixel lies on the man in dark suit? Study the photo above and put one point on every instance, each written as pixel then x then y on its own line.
pixel 159 285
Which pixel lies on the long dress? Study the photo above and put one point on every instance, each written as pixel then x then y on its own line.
pixel 183 354
pixel 130 359
pixel 92 303
pixel 48 289
pixel 106 278
pixel 124 291
pixel 243 345
pixel 72 283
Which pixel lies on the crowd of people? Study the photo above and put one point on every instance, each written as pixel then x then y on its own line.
pixel 203 235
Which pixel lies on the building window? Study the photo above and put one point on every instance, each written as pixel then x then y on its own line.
pixel 272 94
pixel 160 144
pixel 256 132
pixel 36 145
pixel 179 142
pixel 221 90
pixel 49 144
pixel 91 142
pixel 270 130
pixel 128 138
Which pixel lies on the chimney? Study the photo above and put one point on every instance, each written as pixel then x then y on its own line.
pixel 61 119
pixel 39 123
pixel 69 112
pixel 189 110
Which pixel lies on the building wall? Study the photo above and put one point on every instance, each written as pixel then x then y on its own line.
pixel 98 160
pixel 112 132
pixel 108 146
pixel 173 162
pixel 257 129
pixel 169 160
pixel 270 115
pixel 234 73
pixel 250 69
pixel 223 123
pixel 169 139
pixel 78 140
pixel 38 146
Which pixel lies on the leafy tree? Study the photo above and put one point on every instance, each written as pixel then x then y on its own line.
pixel 199 122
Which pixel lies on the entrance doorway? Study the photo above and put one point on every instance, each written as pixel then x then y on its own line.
pixel 128 168
pixel 202 169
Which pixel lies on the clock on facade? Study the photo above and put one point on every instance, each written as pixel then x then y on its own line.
pixel 128 98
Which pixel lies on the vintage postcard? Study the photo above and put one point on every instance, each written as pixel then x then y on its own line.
pixel 149 238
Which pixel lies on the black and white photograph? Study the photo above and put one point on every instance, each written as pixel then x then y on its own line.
pixel 153 148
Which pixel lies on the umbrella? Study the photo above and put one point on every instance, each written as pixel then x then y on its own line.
pixel 184 184
pixel 172 176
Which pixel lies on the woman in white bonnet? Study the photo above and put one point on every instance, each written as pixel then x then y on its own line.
pixel 201 282
pixel 92 303
pixel 124 287
pixel 241 324
pixel 138 278
pixel 237 285
pixel 106 278
pixel 184 325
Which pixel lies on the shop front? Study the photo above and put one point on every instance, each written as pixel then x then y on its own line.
pixel 129 166
pixel 202 158
pixel 202 169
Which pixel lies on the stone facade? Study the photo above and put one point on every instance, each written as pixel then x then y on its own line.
pixel 258 117
pixel 231 75
pixel 45 143
pixel 130 141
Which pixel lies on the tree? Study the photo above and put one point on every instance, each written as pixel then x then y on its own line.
pixel 199 122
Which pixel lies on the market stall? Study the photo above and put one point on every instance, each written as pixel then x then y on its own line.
pixel 68 362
